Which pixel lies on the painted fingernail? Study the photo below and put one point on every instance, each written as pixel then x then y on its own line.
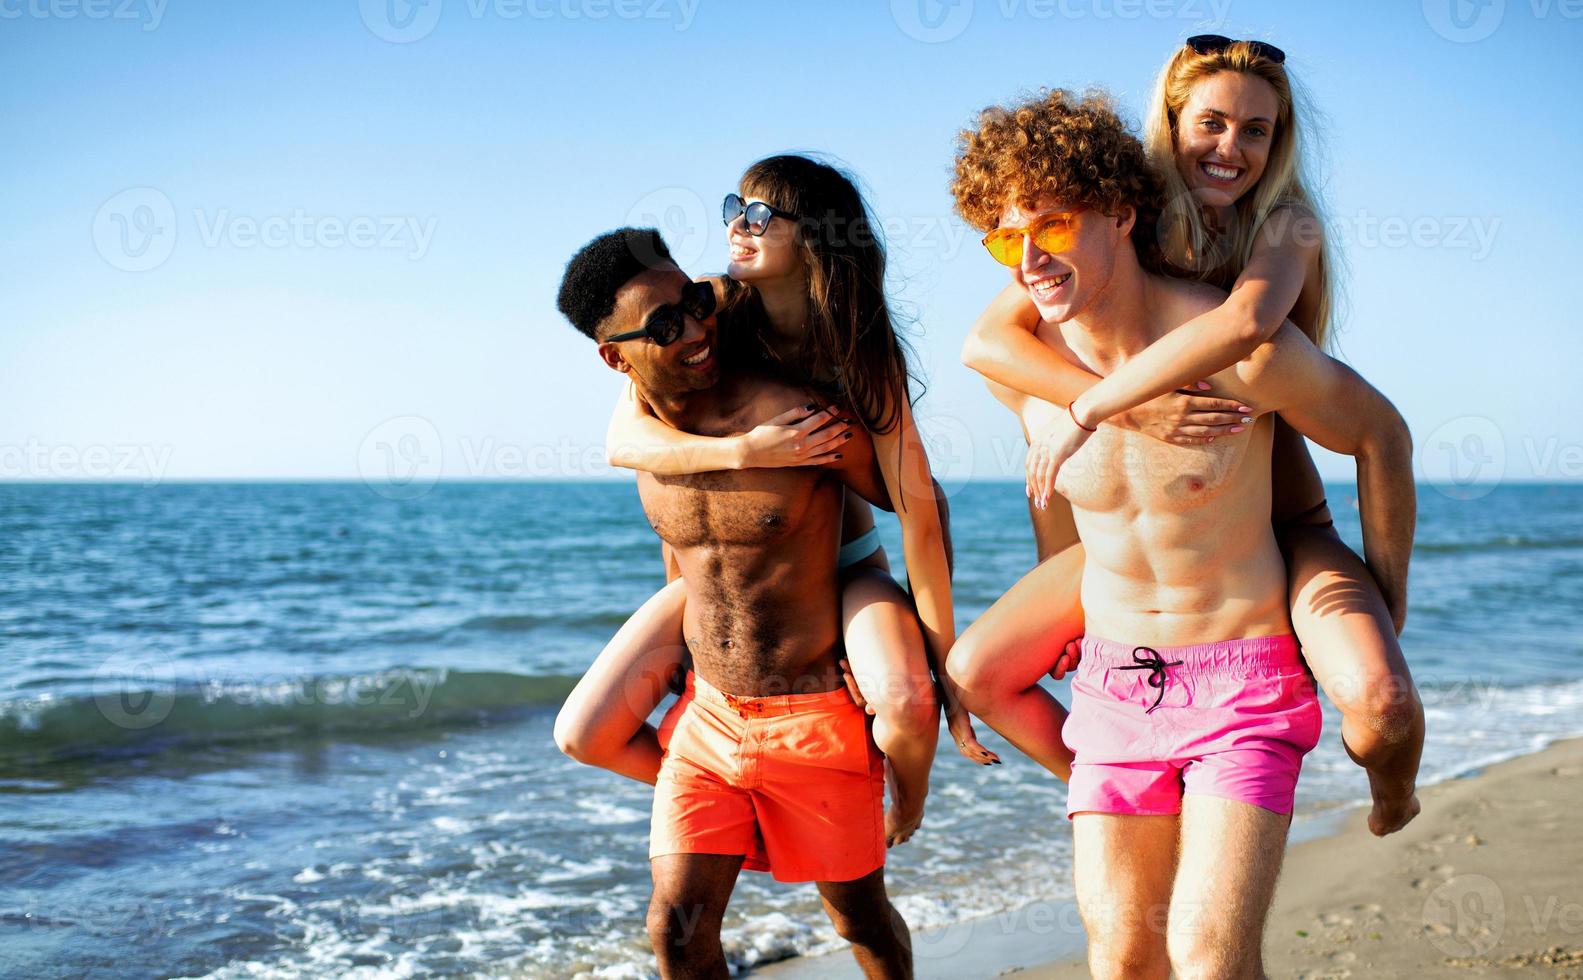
pixel 1243 408
pixel 808 407
pixel 837 456
pixel 847 436
pixel 1247 420
pixel 1203 386
pixel 1236 428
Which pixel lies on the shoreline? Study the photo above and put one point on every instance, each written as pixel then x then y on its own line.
pixel 1485 882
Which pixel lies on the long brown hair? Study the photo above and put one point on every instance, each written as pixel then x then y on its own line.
pixel 851 337
pixel 1189 245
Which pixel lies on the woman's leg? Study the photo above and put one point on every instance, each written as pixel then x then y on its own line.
pixel 604 721
pixel 884 647
pixel 1350 644
pixel 998 662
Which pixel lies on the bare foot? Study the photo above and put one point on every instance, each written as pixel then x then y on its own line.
pixel 903 816
pixel 1394 808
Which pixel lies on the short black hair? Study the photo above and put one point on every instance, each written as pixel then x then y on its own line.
pixel 603 266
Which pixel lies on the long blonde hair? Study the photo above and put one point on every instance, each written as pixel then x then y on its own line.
pixel 1189 245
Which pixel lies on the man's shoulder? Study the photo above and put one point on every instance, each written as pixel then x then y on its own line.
pixel 1184 299
pixel 765 396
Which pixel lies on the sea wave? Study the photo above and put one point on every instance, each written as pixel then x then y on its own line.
pixel 123 714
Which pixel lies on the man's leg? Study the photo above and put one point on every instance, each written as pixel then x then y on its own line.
pixel 690 896
pixel 862 914
pixel 1124 864
pixel 1231 856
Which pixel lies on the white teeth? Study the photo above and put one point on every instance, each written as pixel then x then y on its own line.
pixel 1045 287
pixel 1221 173
pixel 697 358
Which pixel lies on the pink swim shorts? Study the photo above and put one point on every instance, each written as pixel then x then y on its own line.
pixel 1231 719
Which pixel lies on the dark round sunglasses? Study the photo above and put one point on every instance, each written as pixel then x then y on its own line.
pixel 1216 43
pixel 758 213
pixel 667 322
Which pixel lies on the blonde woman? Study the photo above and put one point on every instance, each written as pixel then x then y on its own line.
pixel 1225 131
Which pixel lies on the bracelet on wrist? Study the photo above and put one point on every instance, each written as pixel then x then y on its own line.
pixel 1075 422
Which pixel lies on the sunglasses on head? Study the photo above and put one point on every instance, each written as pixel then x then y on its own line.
pixel 1052 232
pixel 667 322
pixel 1216 43
pixel 758 213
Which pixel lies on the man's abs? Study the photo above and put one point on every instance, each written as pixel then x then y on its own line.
pixel 757 550
pixel 1178 539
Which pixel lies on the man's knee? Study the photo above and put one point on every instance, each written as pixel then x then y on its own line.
pixel 1198 949
pixel 1124 957
pixel 871 928
pixel 679 930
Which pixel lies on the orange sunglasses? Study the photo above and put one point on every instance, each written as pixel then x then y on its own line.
pixel 1052 232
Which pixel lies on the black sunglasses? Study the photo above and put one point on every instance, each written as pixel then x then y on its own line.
pixel 1216 43
pixel 758 213
pixel 666 324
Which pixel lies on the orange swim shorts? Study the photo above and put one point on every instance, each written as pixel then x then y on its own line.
pixel 792 782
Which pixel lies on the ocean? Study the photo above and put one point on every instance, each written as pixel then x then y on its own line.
pixel 304 730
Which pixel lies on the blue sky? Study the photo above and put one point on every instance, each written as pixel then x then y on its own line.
pixel 321 239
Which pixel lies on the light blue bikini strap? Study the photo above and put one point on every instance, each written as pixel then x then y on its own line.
pixel 859 548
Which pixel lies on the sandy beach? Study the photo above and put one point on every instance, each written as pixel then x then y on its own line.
pixel 1485 883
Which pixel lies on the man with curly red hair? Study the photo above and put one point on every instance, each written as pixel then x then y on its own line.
pixel 1191 708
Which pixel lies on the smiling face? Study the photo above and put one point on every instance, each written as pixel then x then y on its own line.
pixel 688 364
pixel 761 258
pixel 1223 135
pixel 1063 284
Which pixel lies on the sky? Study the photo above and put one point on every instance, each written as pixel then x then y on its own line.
pixel 322 239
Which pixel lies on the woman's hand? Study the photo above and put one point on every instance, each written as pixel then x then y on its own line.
pixel 960 725
pixel 803 436
pixel 957 722
pixel 1048 450
pixel 1187 417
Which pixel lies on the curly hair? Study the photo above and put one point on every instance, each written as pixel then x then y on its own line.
pixel 1055 145
pixel 597 272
